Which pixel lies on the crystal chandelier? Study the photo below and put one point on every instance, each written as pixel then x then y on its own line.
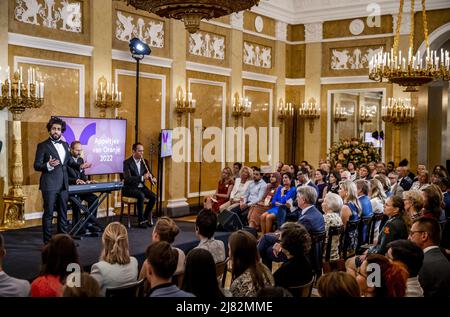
pixel 408 70
pixel 192 11
pixel 398 111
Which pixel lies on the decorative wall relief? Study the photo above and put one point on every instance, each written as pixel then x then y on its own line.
pixel 150 32
pixel 207 45
pixel 64 15
pixel 352 58
pixel 257 55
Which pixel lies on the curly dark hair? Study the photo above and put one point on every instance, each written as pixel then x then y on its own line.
pixel 296 240
pixel 56 120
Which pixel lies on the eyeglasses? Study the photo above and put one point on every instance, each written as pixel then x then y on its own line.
pixel 411 233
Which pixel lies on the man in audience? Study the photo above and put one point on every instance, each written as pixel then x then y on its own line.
pixel 390 167
pixel 346 175
pixel 10 286
pixel 404 180
pixel 254 194
pixel 161 263
pixel 205 226
pixel 236 169
pixel 396 189
pixel 303 177
pixel 381 168
pixel 364 172
pixel 434 276
pixel 411 255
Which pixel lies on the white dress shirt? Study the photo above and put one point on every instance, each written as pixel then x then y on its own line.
pixel 138 165
pixel 61 152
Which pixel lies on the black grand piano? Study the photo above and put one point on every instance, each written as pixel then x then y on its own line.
pixel 87 212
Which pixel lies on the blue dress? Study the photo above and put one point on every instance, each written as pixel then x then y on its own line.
pixel 280 198
pixel 352 238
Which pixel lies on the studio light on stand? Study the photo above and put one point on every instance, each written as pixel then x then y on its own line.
pixel 138 51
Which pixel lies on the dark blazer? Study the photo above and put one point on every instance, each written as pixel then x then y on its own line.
pixel 434 276
pixel 76 174
pixel 394 229
pixel 132 178
pixel 406 183
pixel 294 272
pixel 54 179
pixel 312 220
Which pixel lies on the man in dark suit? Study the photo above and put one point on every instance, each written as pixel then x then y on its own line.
pixel 78 177
pixel 52 159
pixel 434 276
pixel 135 172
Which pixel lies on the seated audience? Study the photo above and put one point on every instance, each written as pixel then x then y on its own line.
pixel 88 286
pixel 332 206
pixel 362 191
pixel 434 276
pixel 420 168
pixel 377 200
pixel 237 166
pixel 338 285
pixel 385 182
pixel 321 183
pixel 160 266
pixel 423 181
pixel 396 189
pixel 200 276
pixel 224 188
pixel 411 255
pixel 413 203
pixel 248 273
pixel 351 167
pixel 432 203
pixel 255 212
pixel 363 172
pixel 333 183
pixel 240 187
pixel 351 210
pixel 116 267
pixel 296 244
pixel 205 226
pixel 56 256
pixel 404 178
pixel 392 282
pixel 441 169
pixel 10 286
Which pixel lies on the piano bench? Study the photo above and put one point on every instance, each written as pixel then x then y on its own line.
pixel 129 201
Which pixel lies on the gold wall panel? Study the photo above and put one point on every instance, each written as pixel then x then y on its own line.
pixel 147 17
pixel 327 53
pixel 209 110
pixel 212 29
pixel 296 32
pixel 295 61
pixel 16 26
pixel 435 18
pixel 340 28
pixel 264 42
pixel 268 23
pixel 259 118
pixel 294 150
pixel 225 19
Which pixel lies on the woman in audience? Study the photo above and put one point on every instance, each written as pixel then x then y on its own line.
pixel 372 169
pixel 440 168
pixel 116 267
pixel 338 285
pixel 59 254
pixel 363 172
pixel 432 203
pixel 423 181
pixel 351 210
pixel 352 169
pixel 297 270
pixel 320 177
pixel 248 273
pixel 224 188
pixel 333 183
pixel 88 286
pixel 332 205
pixel 255 212
pixel 240 186
pixel 393 279
pixel 200 276
pixel 413 201
pixel 384 180
pixel 377 200
pixel 283 194
pixel 437 176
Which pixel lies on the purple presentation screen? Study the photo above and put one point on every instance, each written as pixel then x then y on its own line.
pixel 103 142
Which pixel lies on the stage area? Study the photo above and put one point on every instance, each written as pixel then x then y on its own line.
pixel 23 247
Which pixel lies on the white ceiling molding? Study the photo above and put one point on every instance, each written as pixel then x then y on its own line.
pixel 49 45
pixel 295 81
pixel 345 80
pixel 209 69
pixel 310 11
pixel 148 60
pixel 259 77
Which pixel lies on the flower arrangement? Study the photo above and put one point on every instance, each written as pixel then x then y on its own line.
pixel 354 150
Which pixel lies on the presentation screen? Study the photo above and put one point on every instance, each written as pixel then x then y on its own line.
pixel 368 138
pixel 102 140
pixel 166 143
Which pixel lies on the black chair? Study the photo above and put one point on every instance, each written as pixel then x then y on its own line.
pixel 335 265
pixel 302 290
pixel 221 271
pixel 351 232
pixel 135 289
pixel 382 218
pixel 316 253
pixel 364 225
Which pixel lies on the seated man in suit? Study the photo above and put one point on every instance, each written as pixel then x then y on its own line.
pixel 309 216
pixel 78 178
pixel 434 276
pixel 136 172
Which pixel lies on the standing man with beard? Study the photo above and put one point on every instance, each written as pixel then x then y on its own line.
pixel 52 159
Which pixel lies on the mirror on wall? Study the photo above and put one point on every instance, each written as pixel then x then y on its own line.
pixel 354 113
